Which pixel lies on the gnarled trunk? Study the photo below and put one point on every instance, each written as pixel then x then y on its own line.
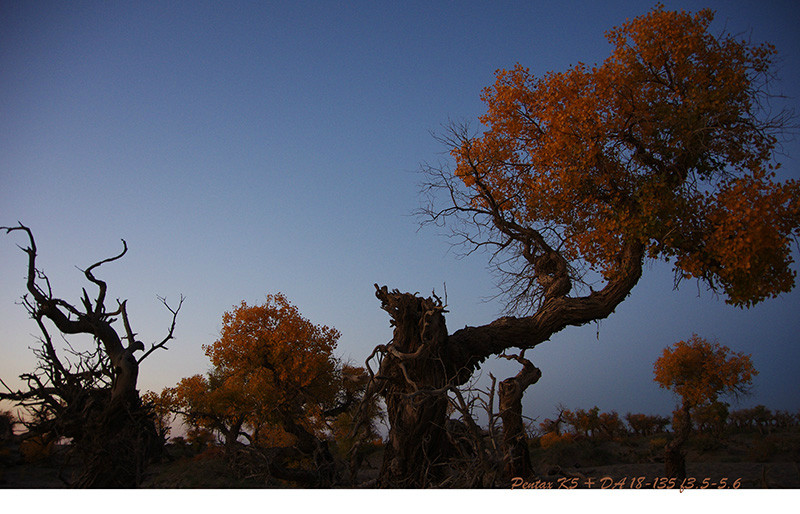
pixel 422 363
pixel 515 442
pixel 93 401
pixel 116 448
pixel 413 380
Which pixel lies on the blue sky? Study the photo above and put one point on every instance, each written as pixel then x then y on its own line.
pixel 246 148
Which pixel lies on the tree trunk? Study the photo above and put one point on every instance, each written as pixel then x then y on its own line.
pixel 116 447
pixel 674 456
pixel 324 474
pixel 422 362
pixel 515 441
pixel 413 379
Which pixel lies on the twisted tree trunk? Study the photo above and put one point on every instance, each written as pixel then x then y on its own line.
pixel 422 362
pixel 515 441
pixel 413 380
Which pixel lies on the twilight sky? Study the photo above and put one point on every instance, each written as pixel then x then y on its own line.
pixel 245 148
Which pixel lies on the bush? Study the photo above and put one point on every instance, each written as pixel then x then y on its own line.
pixel 36 449
pixel 656 446
pixel 763 450
pixel 704 442
pixel 552 438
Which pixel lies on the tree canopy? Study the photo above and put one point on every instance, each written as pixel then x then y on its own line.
pixel 699 371
pixel 269 364
pixel 664 151
pixel 275 381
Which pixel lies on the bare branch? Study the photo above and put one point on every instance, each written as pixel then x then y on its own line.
pixel 170 332
pixel 101 295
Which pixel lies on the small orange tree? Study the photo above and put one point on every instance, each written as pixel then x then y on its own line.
pixel 699 372
pixel 160 406
pixel 274 381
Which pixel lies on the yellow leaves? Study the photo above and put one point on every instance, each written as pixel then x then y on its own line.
pixel 699 371
pixel 747 245
pixel 273 336
pixel 268 360
pixel 646 146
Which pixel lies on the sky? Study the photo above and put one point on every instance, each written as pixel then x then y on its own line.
pixel 249 148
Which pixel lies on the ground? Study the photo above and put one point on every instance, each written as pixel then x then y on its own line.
pixel 744 460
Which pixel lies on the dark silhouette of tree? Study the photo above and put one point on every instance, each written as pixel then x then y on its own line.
pixel 515 440
pixel 89 396
pixel 662 152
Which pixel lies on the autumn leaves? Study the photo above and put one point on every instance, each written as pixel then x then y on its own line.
pixel 665 143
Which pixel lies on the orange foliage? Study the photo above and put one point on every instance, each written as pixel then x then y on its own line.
pixel 664 144
pixel 699 371
pixel 276 352
pixel 161 406
pixel 712 418
pixel 273 436
pixel 585 423
pixel 642 424
pixel 271 367
pixel 551 438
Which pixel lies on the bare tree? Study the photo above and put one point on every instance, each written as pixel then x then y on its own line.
pixel 89 396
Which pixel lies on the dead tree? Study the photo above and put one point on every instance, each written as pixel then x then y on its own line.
pixel 89 396
pixel 515 441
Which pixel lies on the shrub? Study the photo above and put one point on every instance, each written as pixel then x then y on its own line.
pixel 656 446
pixel 762 450
pixel 551 438
pixel 36 449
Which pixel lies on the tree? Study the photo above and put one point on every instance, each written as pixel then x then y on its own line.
pixel 160 406
pixel 89 396
pixel 275 380
pixel 698 371
pixel 642 424
pixel 662 152
pixel 585 423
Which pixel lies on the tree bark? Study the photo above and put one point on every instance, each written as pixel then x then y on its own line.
pixel 422 362
pixel 469 347
pixel 412 378
pixel 674 456
pixel 515 441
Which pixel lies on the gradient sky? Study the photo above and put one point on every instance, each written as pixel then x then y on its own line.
pixel 246 148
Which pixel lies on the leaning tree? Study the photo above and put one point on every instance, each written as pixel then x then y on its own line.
pixel 662 152
pixel 89 397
